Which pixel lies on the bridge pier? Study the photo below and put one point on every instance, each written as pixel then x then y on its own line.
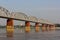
pixel 48 27
pixel 9 28
pixel 37 27
pixel 43 27
pixel 52 28
pixel 27 26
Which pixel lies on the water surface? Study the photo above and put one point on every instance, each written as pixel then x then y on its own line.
pixel 21 35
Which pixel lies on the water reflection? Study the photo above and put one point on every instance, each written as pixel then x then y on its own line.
pixel 21 35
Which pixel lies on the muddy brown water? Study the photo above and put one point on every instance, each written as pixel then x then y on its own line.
pixel 21 35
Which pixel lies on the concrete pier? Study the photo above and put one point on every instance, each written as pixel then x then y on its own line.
pixel 48 27
pixel 37 28
pixel 9 28
pixel 43 27
pixel 53 27
pixel 27 26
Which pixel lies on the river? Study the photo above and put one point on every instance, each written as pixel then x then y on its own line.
pixel 21 35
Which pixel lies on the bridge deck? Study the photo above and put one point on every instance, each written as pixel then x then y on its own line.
pixel 4 13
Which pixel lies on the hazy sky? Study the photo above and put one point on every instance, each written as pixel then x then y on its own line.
pixel 46 9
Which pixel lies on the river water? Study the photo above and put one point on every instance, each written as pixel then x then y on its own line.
pixel 21 35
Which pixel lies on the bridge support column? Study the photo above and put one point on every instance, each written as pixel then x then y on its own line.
pixel 53 27
pixel 27 26
pixel 47 27
pixel 43 27
pixel 37 27
pixel 50 27
pixel 9 28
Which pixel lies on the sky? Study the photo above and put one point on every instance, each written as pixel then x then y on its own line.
pixel 44 9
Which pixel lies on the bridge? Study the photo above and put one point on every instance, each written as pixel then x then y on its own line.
pixel 10 16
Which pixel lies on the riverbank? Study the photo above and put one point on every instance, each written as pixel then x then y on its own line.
pixel 57 27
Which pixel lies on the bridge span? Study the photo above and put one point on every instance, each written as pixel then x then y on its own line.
pixel 10 16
